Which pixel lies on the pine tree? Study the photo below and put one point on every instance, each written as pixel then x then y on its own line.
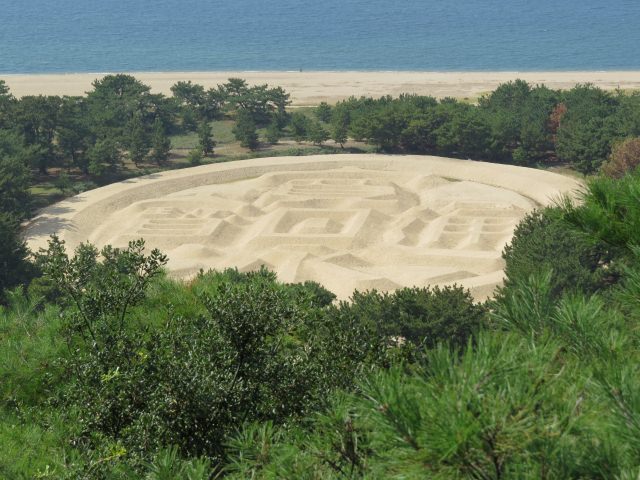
pixel 14 265
pixel 317 133
pixel 340 120
pixel 273 133
pixel 323 112
pixel 245 131
pixel 160 143
pixel 103 157
pixel 205 139
pixel 299 126
pixel 138 140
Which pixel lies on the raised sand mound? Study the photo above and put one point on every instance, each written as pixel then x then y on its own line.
pixel 346 221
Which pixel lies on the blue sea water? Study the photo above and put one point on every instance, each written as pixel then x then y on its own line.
pixel 198 35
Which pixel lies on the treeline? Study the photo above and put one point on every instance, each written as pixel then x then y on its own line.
pixel 110 370
pixel 516 123
pixel 120 118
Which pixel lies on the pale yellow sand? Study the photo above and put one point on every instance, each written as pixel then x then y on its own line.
pixel 310 88
pixel 346 221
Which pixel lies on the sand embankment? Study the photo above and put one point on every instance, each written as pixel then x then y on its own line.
pixel 346 221
pixel 311 88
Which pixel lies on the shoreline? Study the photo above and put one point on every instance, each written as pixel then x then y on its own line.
pixel 313 87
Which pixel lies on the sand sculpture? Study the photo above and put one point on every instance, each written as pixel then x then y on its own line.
pixel 346 221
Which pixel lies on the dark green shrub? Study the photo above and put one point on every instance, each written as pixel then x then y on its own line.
pixel 317 294
pixel 323 112
pixel 194 157
pixel 273 133
pixel 14 267
pixel 499 410
pixel 245 130
pixel 258 353
pixel 299 126
pixel 544 241
pixel 608 211
pixel 422 316
pixel 231 348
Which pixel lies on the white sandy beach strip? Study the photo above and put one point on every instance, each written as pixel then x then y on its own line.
pixel 310 88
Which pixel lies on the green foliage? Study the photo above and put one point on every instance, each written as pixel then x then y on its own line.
pixel 206 105
pixel 422 316
pixel 160 142
pixel 73 133
pixel 14 176
pixel 100 286
pixel 104 158
pixel 492 412
pixel 544 241
pixel 316 133
pixel 608 210
pixel 36 118
pixel 14 267
pixel 299 126
pixel 585 143
pixel 519 119
pixel 7 105
pixel 273 133
pixel 138 140
pixel 195 157
pixel 113 103
pixel 205 139
pixel 30 374
pixel 189 120
pixel 517 123
pixel 323 112
pixel 245 131
pixel 381 128
pixel 340 120
pixel 234 347
pixel 587 132
pixel 317 295
pixel 111 370
pixel 63 183
pixel 259 102
pixel 467 133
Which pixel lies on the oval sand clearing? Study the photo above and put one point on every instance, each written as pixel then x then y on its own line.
pixel 346 221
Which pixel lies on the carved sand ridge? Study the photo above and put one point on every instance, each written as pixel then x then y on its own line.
pixel 347 221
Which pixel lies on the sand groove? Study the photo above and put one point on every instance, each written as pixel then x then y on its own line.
pixel 367 222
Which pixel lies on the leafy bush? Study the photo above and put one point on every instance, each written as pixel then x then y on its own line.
pixel 500 410
pixel 273 133
pixel 323 112
pixel 14 267
pixel 553 396
pixel 544 241
pixel 245 130
pixel 230 348
pixel 422 316
pixel 194 157
pixel 299 125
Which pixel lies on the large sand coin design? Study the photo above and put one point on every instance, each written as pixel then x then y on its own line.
pixel 346 221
